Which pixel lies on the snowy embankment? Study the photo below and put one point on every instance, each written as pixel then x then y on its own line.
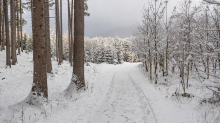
pixel 16 83
pixel 115 93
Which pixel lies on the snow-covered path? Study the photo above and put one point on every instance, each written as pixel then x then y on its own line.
pixel 116 94
pixel 124 103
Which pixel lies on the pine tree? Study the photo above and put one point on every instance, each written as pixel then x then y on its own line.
pixel 58 30
pixel 8 61
pixel 119 54
pixel 1 43
pixel 13 33
pixel 47 36
pixel 108 56
pixel 18 37
pixel 78 67
pixel 39 88
pixel 21 26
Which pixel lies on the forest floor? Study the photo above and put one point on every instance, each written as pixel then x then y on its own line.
pixel 115 94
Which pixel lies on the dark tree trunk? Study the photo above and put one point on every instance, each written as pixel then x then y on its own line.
pixel 1 43
pixel 71 27
pixel 78 66
pixel 3 32
pixel 13 33
pixel 40 76
pixel 61 31
pixel 69 32
pixel 21 27
pixel 47 36
pixel 58 32
pixel 18 38
pixel 8 59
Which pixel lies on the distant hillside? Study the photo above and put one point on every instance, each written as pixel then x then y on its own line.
pixel 121 32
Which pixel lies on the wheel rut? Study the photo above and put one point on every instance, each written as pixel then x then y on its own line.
pixel 124 103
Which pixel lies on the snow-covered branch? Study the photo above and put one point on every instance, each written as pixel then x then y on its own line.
pixel 212 2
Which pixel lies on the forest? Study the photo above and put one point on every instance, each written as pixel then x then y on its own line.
pixel 167 71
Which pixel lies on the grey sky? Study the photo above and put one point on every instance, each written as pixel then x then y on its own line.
pixel 106 15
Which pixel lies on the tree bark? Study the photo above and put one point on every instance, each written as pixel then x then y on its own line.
pixel 61 31
pixel 3 32
pixel 47 36
pixel 13 33
pixel 69 32
pixel 18 38
pixel 155 39
pixel 78 67
pixel 1 43
pixel 71 27
pixel 8 59
pixel 21 26
pixel 58 32
pixel 167 43
pixel 40 76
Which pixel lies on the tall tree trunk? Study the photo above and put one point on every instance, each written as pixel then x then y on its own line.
pixel 32 18
pixel 71 27
pixel 69 31
pixel 58 32
pixel 167 43
pixel 57 53
pixel 150 65
pixel 207 39
pixel 61 30
pixel 13 33
pixel 8 59
pixel 189 41
pixel 57 38
pixel 21 26
pixel 155 40
pixel 78 66
pixel 18 38
pixel 1 43
pixel 3 32
pixel 40 76
pixel 47 36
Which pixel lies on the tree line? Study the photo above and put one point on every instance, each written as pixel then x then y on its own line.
pixel 186 43
pixel 41 46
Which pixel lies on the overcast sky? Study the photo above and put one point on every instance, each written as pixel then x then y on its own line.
pixel 106 15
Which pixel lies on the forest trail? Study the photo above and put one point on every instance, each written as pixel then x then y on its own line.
pixel 125 102
pixel 116 94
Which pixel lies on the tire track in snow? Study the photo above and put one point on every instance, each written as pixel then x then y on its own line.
pixel 124 103
pixel 135 84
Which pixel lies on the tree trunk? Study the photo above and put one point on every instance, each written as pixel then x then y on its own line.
pixel 57 53
pixel 155 40
pixel 1 43
pixel 78 66
pixel 21 26
pixel 167 43
pixel 58 32
pixel 8 59
pixel 3 32
pixel 61 31
pixel 69 32
pixel 13 33
pixel 71 27
pixel 47 36
pixel 57 38
pixel 40 76
pixel 18 38
pixel 150 65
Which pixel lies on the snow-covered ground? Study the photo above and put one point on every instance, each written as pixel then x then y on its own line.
pixel 115 94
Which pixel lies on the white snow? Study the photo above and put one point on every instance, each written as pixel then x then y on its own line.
pixel 115 94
